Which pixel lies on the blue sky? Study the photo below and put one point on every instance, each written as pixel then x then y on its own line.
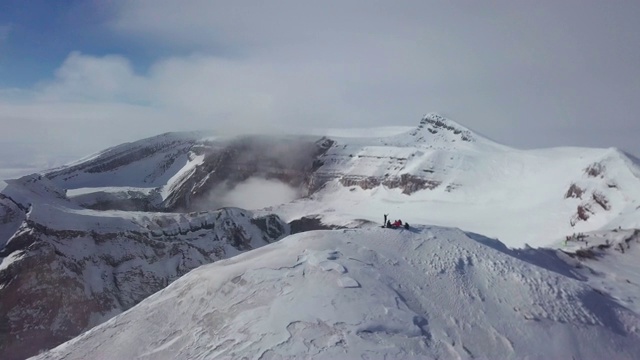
pixel 79 76
pixel 40 34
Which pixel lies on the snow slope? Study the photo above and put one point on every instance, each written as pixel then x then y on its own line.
pixel 371 293
pixel 144 163
pixel 447 175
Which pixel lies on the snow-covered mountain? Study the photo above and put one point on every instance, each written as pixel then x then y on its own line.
pixel 428 293
pixel 437 173
pixel 84 242
pixel 442 173
pixel 171 171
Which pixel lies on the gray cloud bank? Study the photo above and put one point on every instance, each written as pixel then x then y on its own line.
pixel 527 74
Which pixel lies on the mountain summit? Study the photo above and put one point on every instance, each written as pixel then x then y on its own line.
pixel 441 129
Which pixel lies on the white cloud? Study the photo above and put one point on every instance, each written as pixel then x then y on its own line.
pixel 253 193
pixel 93 79
pixel 258 193
pixel 525 74
pixel 513 72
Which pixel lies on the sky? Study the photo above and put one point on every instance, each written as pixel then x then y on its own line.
pixel 79 76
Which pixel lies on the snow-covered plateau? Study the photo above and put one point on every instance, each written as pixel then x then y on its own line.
pixel 509 254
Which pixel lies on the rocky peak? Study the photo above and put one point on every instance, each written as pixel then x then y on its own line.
pixel 435 127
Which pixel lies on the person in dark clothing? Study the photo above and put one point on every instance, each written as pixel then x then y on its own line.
pixel 389 224
pixel 385 220
pixel 406 225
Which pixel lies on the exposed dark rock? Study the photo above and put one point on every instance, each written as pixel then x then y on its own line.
pixel 407 182
pixel 435 123
pixel 271 226
pixel 574 192
pixel 410 183
pixel 309 223
pixel 583 212
pixel 601 200
pixel 585 254
pixel 594 170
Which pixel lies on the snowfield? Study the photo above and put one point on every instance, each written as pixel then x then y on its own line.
pixel 428 292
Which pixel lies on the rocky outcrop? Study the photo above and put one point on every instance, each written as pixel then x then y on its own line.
pixel 574 191
pixel 407 182
pixel 595 203
pixel 446 129
pixel 593 192
pixel 595 170
pixel 309 223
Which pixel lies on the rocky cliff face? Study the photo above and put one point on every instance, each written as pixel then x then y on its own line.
pixel 289 160
pixel 58 280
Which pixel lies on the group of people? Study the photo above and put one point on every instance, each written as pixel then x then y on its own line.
pixel 395 225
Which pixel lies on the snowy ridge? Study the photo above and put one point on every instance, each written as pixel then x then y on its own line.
pixel 144 163
pixel 379 293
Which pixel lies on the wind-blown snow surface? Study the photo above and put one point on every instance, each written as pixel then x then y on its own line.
pixel 371 293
